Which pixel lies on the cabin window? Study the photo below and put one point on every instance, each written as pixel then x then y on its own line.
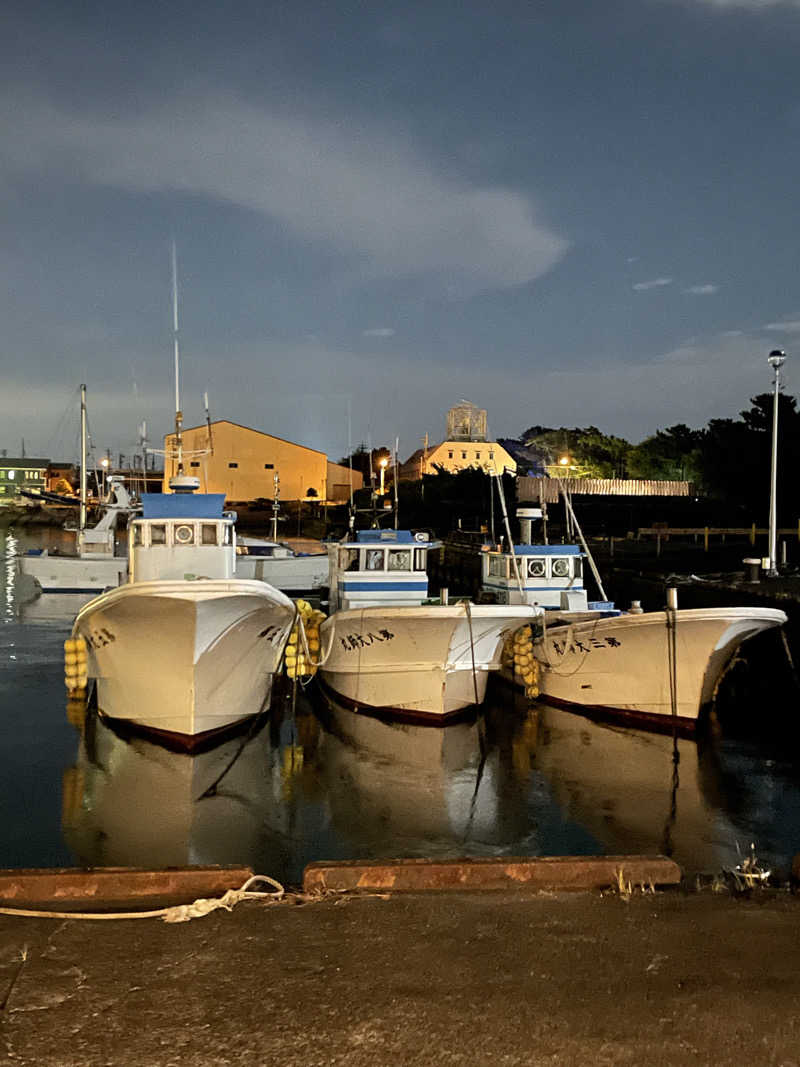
pixel 233 464
pixel 561 568
pixel 137 535
pixel 498 567
pixel 226 534
pixel 158 534
pixel 269 466
pixel 536 568
pixel 348 559
pixel 420 560
pixel 195 463
pixel 577 567
pixel 208 533
pixel 400 561
pixel 374 559
pixel 184 534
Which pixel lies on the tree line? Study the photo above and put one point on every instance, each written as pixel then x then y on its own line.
pixel 728 460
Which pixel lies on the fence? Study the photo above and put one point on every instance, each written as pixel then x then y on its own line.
pixel 546 490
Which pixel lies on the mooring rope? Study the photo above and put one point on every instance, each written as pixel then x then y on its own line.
pixel 472 651
pixel 672 666
pixel 178 913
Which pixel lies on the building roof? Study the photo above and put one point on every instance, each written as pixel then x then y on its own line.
pixel 22 461
pixel 263 433
pixel 182 505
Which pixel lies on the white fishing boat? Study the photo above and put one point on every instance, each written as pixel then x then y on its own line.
pixel 298 573
pixel 94 565
pixel 658 669
pixel 387 649
pixel 185 647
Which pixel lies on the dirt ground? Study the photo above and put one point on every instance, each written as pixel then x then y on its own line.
pixel 465 978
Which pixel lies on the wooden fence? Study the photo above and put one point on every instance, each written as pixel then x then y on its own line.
pixel 547 490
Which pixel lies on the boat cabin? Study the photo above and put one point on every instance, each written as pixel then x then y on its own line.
pixel 550 576
pixel 182 536
pixel 379 567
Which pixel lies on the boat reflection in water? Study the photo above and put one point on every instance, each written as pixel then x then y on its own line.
pixel 328 783
pixel 130 801
pixel 626 789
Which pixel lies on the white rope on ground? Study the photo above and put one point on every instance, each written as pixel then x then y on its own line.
pixel 178 913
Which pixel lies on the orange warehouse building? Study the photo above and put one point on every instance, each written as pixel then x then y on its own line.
pixel 242 463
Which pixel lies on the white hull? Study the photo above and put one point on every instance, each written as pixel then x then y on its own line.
pixel 624 665
pixel 71 574
pixel 185 658
pixel 292 574
pixel 427 661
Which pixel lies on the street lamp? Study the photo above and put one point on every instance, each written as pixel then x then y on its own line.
pixel 104 464
pixel 776 360
pixel 383 465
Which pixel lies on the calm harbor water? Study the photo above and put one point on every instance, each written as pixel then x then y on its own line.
pixel 314 781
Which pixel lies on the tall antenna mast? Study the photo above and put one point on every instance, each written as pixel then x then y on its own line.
pixel 396 450
pixel 178 412
pixel 82 520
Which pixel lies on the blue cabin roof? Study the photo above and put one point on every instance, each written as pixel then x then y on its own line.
pixel 372 537
pixel 182 505
pixel 545 550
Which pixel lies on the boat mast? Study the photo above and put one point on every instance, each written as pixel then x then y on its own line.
pixel 178 412
pixel 579 531
pixel 82 520
pixel 396 504
pixel 515 563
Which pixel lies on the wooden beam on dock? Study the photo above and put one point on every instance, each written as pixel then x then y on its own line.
pixel 104 886
pixel 540 872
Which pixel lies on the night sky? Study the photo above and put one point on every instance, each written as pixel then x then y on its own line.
pixel 566 211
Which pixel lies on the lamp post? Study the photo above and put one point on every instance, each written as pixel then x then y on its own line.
pixel 104 462
pixel 383 465
pixel 776 359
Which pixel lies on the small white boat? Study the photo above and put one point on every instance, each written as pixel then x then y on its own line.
pixel 298 573
pixel 94 564
pixel 658 669
pixel 386 649
pixel 184 648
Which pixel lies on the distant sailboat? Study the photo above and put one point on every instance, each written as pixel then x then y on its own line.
pixel 94 565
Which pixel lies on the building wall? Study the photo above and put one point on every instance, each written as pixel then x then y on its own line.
pixel 459 455
pixel 245 461
pixel 16 474
pixel 339 482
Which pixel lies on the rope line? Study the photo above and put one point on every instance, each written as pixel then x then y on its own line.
pixel 472 651
pixel 178 913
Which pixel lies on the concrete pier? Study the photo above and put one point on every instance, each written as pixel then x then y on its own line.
pixel 467 978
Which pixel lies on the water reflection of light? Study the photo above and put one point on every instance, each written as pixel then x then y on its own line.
pixel 11 545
